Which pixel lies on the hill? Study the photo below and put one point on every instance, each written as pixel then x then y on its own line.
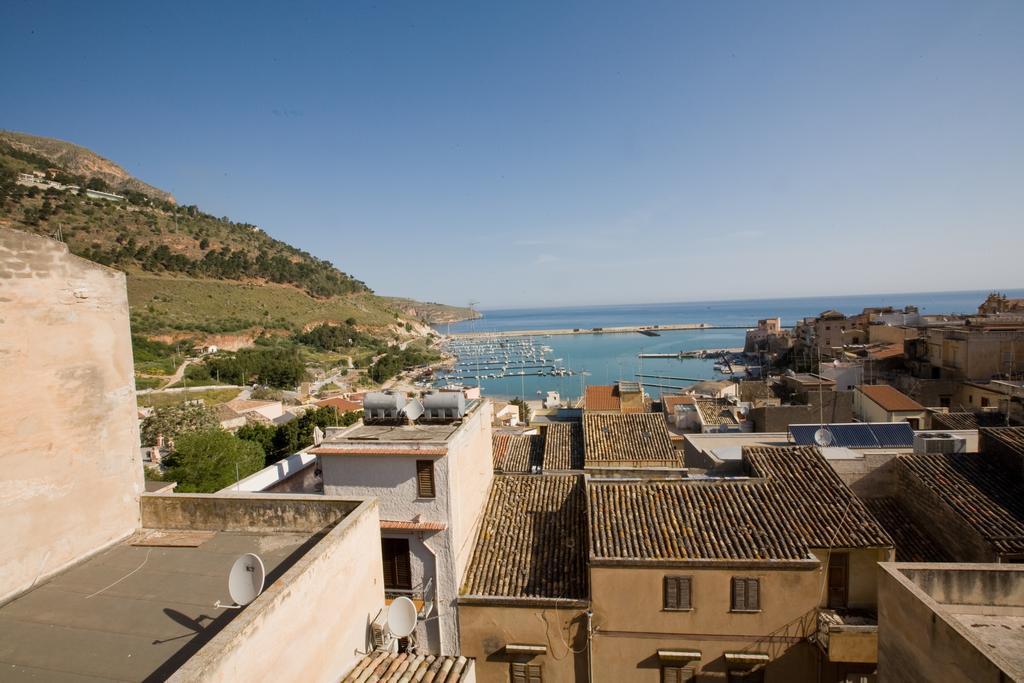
pixel 189 272
pixel 79 161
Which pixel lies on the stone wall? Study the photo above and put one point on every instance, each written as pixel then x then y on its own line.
pixel 244 512
pixel 838 407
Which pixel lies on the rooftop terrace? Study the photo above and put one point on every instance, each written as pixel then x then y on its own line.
pixel 143 608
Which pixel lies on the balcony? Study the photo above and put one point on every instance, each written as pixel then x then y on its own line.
pixel 848 636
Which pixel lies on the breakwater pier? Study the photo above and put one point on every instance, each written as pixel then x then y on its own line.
pixel 641 329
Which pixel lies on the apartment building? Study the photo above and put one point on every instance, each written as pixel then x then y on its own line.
pixel 432 477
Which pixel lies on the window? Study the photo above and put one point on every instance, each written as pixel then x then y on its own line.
pixel 526 673
pixel 838 571
pixel 676 674
pixel 677 592
pixel 746 595
pixel 425 478
pixel 397 570
pixel 984 402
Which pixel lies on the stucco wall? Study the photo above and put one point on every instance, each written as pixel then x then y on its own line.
pixel 862 575
pixel 631 624
pixel 72 472
pixel 486 630
pixel 310 624
pixel 472 471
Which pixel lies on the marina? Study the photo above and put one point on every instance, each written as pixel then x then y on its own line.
pixel 494 357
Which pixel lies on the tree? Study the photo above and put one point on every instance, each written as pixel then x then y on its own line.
pixel 172 421
pixel 524 409
pixel 210 460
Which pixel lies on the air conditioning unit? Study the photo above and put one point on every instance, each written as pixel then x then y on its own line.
pixel 938 442
pixel 379 632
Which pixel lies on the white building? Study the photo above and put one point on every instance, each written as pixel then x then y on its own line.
pixel 432 478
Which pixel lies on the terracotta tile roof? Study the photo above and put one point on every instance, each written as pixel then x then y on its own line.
pixel 641 437
pixel 1009 438
pixel 532 540
pixel 954 421
pixel 967 420
pixel 692 520
pixel 389 667
pixel 913 544
pixel 715 412
pixel 601 398
pixel 977 489
pixel 826 511
pixel 669 403
pixel 342 405
pixel 499 447
pixel 889 398
pixel 563 446
pixel 885 351
pixel 521 453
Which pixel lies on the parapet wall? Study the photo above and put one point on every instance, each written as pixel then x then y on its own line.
pixel 245 512
pixel 313 622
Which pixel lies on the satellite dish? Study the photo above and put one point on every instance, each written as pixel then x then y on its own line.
pixel 401 617
pixel 245 580
pixel 823 437
pixel 318 435
pixel 413 409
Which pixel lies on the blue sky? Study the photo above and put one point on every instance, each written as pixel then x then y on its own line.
pixel 530 154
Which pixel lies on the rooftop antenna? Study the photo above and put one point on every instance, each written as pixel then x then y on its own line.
pixel 245 581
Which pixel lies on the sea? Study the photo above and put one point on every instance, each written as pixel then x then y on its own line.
pixel 605 358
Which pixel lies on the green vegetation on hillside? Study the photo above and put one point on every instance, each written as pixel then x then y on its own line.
pixel 167 304
pixel 396 360
pixel 156 235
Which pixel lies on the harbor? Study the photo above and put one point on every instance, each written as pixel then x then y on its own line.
pixel 646 330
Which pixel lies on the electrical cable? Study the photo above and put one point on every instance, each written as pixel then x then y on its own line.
pixel 123 577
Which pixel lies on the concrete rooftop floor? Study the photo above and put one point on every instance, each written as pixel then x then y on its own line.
pixel 1004 634
pixel 143 628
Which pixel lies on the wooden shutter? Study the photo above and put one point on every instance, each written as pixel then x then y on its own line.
pixel 676 674
pixel 526 673
pixel 677 592
pixel 425 478
pixel 397 568
pixel 671 593
pixel 753 594
pixel 739 594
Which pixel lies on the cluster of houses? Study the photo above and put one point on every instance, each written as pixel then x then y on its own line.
pixel 628 540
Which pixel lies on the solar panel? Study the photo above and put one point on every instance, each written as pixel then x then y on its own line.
pixel 858 434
